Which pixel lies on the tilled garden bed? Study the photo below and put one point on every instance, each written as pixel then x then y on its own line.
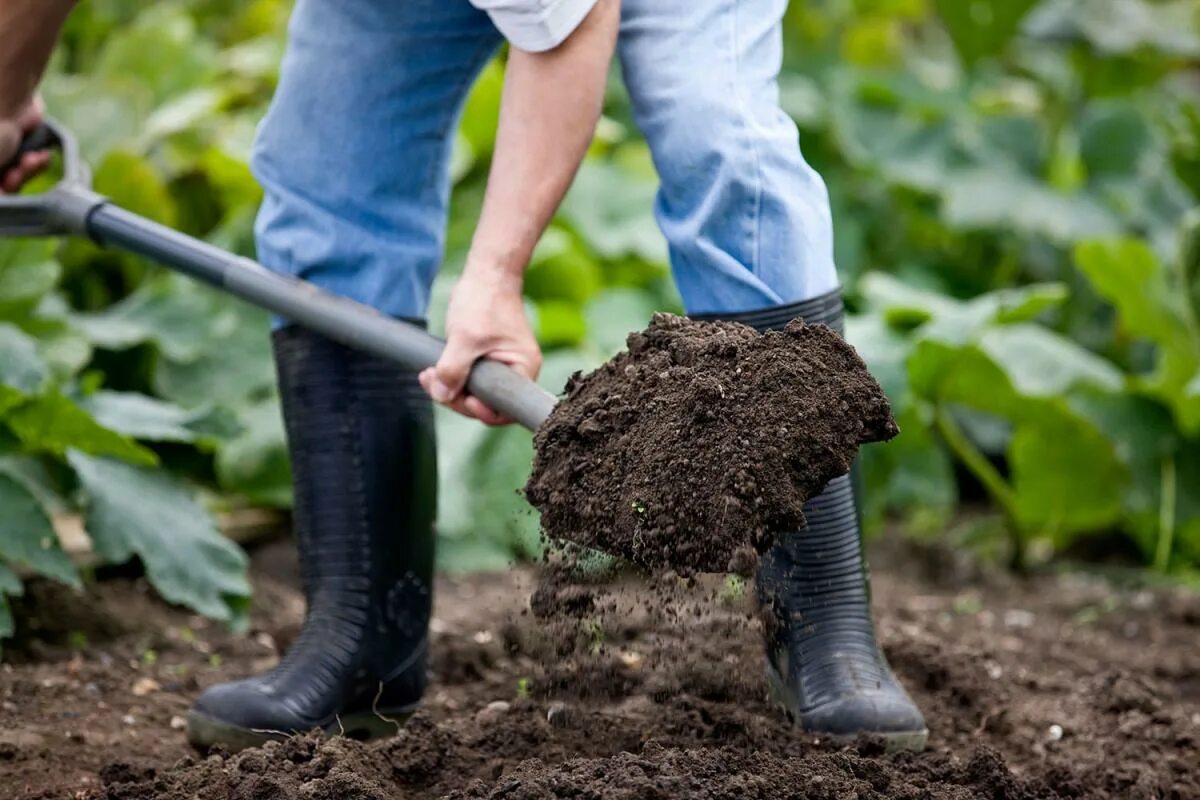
pixel 1056 686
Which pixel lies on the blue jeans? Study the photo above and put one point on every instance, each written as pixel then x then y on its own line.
pixel 355 149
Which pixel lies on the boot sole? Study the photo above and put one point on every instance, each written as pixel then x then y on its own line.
pixel 894 741
pixel 204 732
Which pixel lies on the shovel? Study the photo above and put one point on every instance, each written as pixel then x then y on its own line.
pixel 72 208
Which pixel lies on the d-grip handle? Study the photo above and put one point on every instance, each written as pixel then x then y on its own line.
pixel 40 138
pixel 64 208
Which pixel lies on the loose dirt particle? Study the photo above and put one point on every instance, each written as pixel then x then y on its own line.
pixel 692 449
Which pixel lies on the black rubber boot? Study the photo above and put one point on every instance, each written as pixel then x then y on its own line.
pixel 824 664
pixel 360 432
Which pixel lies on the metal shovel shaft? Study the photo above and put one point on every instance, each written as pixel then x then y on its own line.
pixel 341 319
pixel 72 208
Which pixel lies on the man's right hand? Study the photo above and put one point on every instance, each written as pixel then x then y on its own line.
pixel 12 131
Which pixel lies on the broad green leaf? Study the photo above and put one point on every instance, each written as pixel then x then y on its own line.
pixel 27 537
pixel 162 50
pixel 255 464
pixel 178 316
pixel 1115 138
pixel 53 424
pixel 565 273
pixel 560 324
pixel 612 211
pixel 102 112
pixel 1118 27
pixel 482 519
pixel 146 512
pixel 10 585
pixel 1066 475
pixel 141 417
pixel 911 473
pixel 36 476
pixel 133 183
pixel 952 320
pixel 233 364
pixel 481 112
pixel 1128 274
pixel 27 272
pixel 982 28
pixel 64 349
pixel 885 350
pixel 21 368
pixel 614 314
pixel 985 198
pixel 1041 363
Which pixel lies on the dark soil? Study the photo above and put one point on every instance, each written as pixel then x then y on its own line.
pixel 1051 687
pixel 693 448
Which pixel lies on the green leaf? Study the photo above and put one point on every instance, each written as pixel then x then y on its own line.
pixel 212 375
pixel 22 370
pixel 1041 363
pixel 162 50
pixel 10 585
pixel 176 315
pixel 141 417
pixel 481 112
pixel 560 324
pixel 988 198
pixel 145 512
pixel 1119 27
pixel 27 272
pixel 53 423
pixel 952 320
pixel 27 537
pixel 133 183
pixel 982 28
pixel 1128 274
pixel 612 211
pixel 1066 475
pixel 255 464
pixel 614 314
pixel 912 473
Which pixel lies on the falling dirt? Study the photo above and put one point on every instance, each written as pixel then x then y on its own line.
pixel 1058 686
pixel 693 448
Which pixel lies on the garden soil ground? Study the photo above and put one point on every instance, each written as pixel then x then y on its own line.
pixel 1055 686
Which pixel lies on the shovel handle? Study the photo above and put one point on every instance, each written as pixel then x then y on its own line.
pixel 40 138
pixel 72 208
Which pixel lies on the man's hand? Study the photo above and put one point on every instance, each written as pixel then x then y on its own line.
pixel 547 116
pixel 12 131
pixel 485 318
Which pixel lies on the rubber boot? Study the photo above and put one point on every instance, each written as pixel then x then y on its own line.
pixel 824 665
pixel 360 433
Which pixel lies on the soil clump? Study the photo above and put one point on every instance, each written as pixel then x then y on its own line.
pixel 691 449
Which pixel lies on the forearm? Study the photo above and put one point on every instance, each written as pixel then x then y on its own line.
pixel 28 29
pixel 549 110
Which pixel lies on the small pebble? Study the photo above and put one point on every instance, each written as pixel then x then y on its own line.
pixel 1054 733
pixel 178 723
pixel 492 712
pixel 128 719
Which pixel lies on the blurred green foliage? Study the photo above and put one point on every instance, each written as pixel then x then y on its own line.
pixel 1011 183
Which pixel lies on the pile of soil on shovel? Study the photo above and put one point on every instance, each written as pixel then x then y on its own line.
pixel 692 449
pixel 1053 687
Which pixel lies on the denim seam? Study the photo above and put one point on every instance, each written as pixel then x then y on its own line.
pixel 756 206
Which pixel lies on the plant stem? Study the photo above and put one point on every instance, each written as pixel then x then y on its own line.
pixel 995 484
pixel 1166 516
